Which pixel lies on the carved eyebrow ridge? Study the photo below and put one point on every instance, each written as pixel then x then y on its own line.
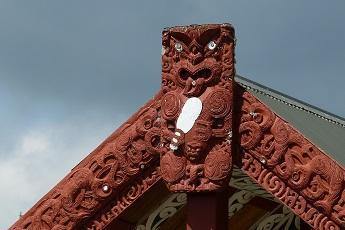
pixel 208 35
pixel 181 37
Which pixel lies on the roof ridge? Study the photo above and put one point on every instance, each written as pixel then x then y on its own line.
pixel 290 101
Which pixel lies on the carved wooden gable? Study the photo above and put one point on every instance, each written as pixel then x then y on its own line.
pixel 228 125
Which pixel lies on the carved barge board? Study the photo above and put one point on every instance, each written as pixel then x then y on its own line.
pixel 268 149
pixel 122 201
pixel 272 153
pixel 288 165
pixel 107 173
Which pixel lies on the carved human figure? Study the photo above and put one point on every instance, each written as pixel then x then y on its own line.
pixel 196 111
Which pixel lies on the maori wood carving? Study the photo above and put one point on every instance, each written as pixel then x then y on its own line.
pixel 196 152
pixel 289 166
pixel 104 176
pixel 124 200
pixel 196 110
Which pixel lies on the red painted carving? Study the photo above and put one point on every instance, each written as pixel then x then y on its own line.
pixel 101 177
pixel 197 62
pixel 123 200
pixel 290 167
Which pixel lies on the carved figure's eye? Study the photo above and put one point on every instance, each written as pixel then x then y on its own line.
pixel 178 47
pixel 211 45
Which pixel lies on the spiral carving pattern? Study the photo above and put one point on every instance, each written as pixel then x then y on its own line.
pixel 290 167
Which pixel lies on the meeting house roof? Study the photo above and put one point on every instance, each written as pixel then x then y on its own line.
pixel 145 203
pixel 210 150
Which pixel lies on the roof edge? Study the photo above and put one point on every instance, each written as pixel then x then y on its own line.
pixel 290 101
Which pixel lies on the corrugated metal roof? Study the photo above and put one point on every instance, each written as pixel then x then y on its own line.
pixel 325 130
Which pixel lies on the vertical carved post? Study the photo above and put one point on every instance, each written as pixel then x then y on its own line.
pixel 196 111
pixel 207 211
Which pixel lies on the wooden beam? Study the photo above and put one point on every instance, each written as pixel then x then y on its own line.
pixel 207 211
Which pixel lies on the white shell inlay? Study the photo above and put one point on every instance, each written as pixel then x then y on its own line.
pixel 173 147
pixel 211 45
pixel 178 47
pixel 190 112
pixel 105 188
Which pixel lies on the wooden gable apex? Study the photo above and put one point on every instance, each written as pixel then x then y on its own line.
pixel 200 124
pixel 126 165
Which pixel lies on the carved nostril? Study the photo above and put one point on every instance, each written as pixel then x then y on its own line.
pixel 184 74
pixel 203 73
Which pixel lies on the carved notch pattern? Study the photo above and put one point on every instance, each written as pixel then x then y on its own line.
pixel 197 62
pixel 290 167
pixel 124 200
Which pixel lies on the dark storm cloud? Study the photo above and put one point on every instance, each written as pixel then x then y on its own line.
pixel 93 54
pixel 87 64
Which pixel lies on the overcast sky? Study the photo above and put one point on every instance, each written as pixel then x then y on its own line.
pixel 73 71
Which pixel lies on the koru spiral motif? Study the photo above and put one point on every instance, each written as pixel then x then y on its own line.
pixel 198 66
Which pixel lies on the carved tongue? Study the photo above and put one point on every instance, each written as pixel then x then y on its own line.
pixel 190 112
pixel 188 86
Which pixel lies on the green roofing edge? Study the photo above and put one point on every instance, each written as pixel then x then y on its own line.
pixel 325 130
pixel 288 100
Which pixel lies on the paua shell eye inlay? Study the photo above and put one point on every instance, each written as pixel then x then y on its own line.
pixel 178 47
pixel 211 45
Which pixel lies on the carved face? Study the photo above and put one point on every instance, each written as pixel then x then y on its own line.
pixel 192 56
pixel 194 150
pixel 196 106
